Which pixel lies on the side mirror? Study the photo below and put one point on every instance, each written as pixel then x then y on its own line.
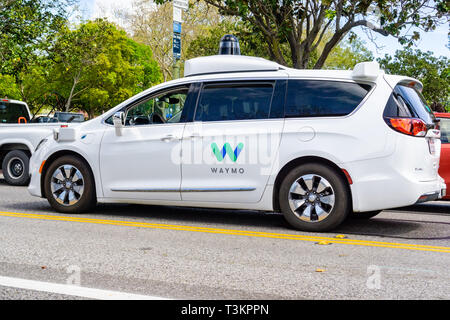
pixel 119 122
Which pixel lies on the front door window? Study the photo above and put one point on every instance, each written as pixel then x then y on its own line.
pixel 164 108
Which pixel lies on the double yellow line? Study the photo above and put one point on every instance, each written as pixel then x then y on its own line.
pixel 259 234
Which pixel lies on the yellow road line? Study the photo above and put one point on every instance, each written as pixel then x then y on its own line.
pixel 259 234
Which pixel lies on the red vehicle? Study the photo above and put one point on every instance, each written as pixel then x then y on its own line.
pixel 444 166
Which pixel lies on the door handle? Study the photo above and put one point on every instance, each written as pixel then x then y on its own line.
pixel 169 138
pixel 194 136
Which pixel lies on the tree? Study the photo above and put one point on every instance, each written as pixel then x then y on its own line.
pixel 347 54
pixel 303 24
pixel 74 53
pixel 432 71
pixel 8 87
pixel 153 26
pixel 26 28
pixel 344 56
pixel 97 66
pixel 207 43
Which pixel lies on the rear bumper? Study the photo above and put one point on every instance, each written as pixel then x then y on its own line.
pixel 429 197
pixel 379 185
pixel 432 196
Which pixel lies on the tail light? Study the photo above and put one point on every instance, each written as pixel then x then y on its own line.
pixel 409 126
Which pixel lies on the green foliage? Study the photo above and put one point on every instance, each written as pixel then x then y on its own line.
pixel 26 28
pixel 91 67
pixel 35 86
pixel 294 29
pixel 433 72
pixel 8 87
pixel 208 43
pixel 344 56
pixel 32 88
pixel 347 54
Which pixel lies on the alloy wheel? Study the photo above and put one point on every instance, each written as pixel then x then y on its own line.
pixel 311 198
pixel 67 185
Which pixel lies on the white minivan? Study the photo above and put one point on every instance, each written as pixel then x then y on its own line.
pixel 241 132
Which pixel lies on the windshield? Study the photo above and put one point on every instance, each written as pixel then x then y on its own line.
pixel 13 112
pixel 69 117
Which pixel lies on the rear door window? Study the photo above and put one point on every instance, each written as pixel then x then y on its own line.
pixel 12 112
pixel 321 98
pixel 235 101
pixel 406 102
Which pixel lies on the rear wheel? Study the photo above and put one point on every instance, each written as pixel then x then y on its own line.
pixel 15 168
pixel 69 185
pixel 314 197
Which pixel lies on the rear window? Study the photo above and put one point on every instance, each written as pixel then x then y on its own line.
pixel 320 98
pixel 11 112
pixel 445 130
pixel 407 102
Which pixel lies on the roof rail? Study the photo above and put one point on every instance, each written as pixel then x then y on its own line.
pixel 227 63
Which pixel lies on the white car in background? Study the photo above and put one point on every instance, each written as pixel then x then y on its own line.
pixel 246 133
pixel 19 137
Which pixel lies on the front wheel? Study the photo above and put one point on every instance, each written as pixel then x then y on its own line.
pixel 314 197
pixel 69 185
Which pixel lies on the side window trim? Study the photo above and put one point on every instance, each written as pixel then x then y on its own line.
pixel 278 104
pixel 191 103
pixel 237 83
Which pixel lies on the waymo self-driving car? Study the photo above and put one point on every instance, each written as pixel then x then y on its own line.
pixel 242 132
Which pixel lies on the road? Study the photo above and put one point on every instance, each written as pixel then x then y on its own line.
pixel 132 251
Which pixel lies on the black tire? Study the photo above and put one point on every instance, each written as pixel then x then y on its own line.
pixel 364 215
pixel 15 168
pixel 88 198
pixel 337 212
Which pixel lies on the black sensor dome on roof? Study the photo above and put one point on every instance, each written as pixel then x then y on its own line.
pixel 229 44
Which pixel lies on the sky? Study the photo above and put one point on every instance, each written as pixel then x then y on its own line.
pixel 101 8
pixel 435 41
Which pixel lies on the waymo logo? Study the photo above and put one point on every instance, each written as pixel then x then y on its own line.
pixel 226 150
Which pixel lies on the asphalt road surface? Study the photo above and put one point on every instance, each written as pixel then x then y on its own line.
pixel 153 252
